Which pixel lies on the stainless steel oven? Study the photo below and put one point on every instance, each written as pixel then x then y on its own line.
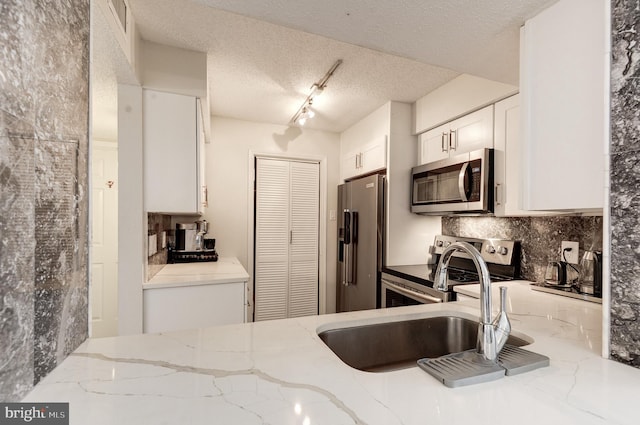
pixel 399 292
pixel 461 184
pixel 413 284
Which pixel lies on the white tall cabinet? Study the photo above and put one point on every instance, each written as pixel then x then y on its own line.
pixel 564 92
pixel 286 238
pixel 173 144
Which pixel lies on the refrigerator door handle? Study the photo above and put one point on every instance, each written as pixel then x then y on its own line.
pixel 353 250
pixel 346 264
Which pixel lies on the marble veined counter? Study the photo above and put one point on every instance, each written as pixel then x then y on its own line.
pixel 280 372
pixel 225 270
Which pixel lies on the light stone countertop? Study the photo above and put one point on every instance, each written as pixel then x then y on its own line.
pixel 225 270
pixel 280 372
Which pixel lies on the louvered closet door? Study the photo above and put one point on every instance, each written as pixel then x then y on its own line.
pixel 286 239
pixel 272 239
pixel 303 246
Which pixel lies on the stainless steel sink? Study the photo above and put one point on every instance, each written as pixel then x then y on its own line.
pixel 382 347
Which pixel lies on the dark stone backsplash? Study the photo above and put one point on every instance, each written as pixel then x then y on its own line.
pixel 540 237
pixel 624 176
pixel 157 223
pixel 44 122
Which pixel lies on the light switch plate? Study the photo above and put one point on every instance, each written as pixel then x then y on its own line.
pixel 571 256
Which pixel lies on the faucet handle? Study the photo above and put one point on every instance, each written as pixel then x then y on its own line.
pixel 503 299
pixel 501 323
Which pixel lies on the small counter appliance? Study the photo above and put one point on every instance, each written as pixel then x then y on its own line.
pixel 186 236
pixel 191 245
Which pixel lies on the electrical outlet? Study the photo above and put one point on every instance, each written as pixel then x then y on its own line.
pixel 571 256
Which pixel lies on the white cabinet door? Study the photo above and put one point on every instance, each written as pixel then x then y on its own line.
pixel 468 133
pixel 472 132
pixel 565 104
pixel 286 239
pixel 203 197
pixel 434 144
pixel 196 306
pixel 350 165
pixel 508 176
pixel 171 160
pixel 374 156
pixel 367 159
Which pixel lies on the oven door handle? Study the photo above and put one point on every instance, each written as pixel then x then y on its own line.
pixel 411 294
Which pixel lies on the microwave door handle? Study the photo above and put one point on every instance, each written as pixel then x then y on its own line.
pixel 461 179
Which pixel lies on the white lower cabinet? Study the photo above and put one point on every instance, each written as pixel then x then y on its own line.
pixel 465 134
pixel 195 306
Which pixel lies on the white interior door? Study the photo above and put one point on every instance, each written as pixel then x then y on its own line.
pixel 286 238
pixel 104 240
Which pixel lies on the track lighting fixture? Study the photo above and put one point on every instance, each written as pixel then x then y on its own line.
pixel 305 112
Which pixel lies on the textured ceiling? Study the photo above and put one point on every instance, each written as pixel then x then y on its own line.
pixel 264 56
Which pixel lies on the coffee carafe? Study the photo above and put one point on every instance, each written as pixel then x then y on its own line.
pixel 202 228
pixel 590 281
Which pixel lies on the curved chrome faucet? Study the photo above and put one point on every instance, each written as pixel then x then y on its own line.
pixel 492 335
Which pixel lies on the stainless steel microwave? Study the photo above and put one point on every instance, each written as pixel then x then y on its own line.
pixel 461 184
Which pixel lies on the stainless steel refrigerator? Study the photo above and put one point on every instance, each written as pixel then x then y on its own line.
pixel 360 242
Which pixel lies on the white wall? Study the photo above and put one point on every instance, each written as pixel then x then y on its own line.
pixel 228 176
pixel 176 70
pixel 408 235
pixel 132 220
pixel 459 96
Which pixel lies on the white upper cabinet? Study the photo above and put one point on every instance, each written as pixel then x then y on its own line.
pixel 564 94
pixel 507 159
pixel 467 133
pixel 367 159
pixel 363 146
pixel 172 135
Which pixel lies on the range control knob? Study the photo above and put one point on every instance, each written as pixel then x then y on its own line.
pixel 502 250
pixel 447 243
pixel 439 244
pixel 490 249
